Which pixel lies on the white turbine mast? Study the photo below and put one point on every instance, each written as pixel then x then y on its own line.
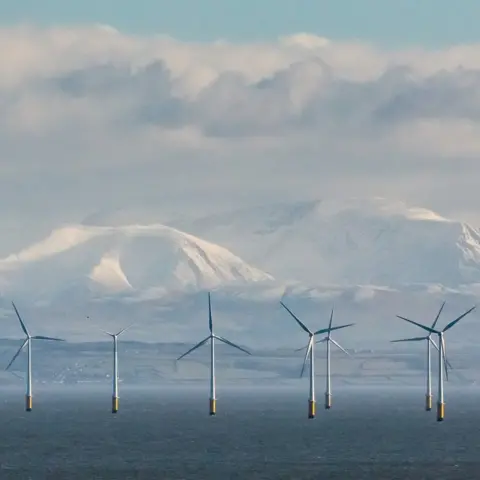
pixel 115 396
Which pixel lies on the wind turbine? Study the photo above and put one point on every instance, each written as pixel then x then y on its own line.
pixel 430 342
pixel 328 339
pixel 115 336
pixel 441 357
pixel 212 337
pixel 310 352
pixel 28 343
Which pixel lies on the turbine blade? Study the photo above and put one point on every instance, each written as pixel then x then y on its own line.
pixel 318 341
pixel 210 319
pixel 16 375
pixel 449 365
pixel 205 340
pixel 125 329
pixel 428 329
pixel 438 315
pixel 228 342
pixel 24 328
pixel 101 329
pixel 413 339
pixel 108 333
pixel 307 353
pixel 297 320
pixel 301 348
pixel 444 359
pixel 326 330
pixel 330 324
pixel 433 343
pixel 41 337
pixel 339 346
pixel 451 324
pixel 18 353
pixel 284 294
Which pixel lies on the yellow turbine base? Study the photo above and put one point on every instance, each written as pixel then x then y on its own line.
pixel 28 403
pixel 440 412
pixel 114 404
pixel 213 406
pixel 311 409
pixel 328 401
pixel 428 402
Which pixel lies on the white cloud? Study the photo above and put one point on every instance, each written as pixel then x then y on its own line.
pixel 92 118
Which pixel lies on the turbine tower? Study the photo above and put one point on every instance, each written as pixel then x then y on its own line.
pixel 428 339
pixel 310 353
pixel 115 396
pixel 28 344
pixel 328 339
pixel 441 357
pixel 212 337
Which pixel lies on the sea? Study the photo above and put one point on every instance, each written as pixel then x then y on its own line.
pixel 259 432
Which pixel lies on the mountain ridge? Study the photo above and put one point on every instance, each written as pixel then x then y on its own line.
pixel 126 258
pixel 354 242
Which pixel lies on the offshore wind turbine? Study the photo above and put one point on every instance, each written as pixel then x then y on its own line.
pixel 28 344
pixel 212 336
pixel 310 353
pixel 115 397
pixel 328 339
pixel 441 357
pixel 428 339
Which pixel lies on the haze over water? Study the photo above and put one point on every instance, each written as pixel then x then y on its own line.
pixel 258 433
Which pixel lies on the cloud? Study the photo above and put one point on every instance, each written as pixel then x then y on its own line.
pixel 91 117
pixel 299 85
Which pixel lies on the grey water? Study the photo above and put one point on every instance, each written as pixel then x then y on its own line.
pixel 258 433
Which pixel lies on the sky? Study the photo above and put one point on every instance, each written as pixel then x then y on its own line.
pixel 107 105
pixel 433 23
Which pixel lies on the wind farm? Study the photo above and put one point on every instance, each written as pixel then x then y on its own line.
pixel 429 342
pixel 442 360
pixel 270 212
pixel 309 354
pixel 443 369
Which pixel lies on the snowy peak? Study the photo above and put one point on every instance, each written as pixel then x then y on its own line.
pixel 125 258
pixel 354 241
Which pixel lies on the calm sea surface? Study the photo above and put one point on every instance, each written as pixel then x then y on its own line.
pixel 258 433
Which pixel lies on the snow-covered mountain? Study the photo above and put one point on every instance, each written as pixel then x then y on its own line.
pixel 352 242
pixel 370 258
pixel 109 260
